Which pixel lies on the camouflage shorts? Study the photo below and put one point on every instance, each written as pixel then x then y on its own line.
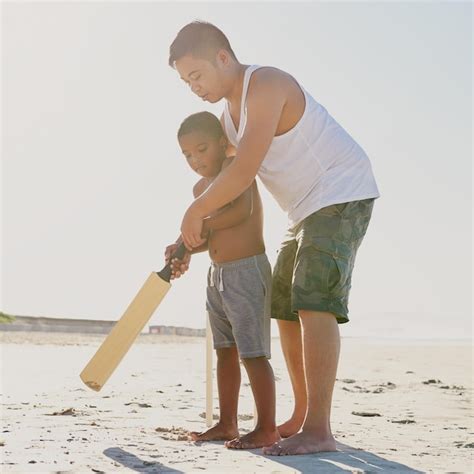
pixel 314 265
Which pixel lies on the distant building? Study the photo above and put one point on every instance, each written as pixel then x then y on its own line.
pixel 176 331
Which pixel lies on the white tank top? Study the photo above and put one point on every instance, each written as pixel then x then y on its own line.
pixel 313 165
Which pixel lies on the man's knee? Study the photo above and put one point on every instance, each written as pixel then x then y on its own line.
pixel 326 316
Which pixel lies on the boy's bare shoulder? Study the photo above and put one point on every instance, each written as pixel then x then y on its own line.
pixel 200 187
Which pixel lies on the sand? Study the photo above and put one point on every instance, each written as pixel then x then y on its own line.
pixel 398 406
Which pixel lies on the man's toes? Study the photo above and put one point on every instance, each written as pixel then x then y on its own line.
pixel 284 451
pixel 273 450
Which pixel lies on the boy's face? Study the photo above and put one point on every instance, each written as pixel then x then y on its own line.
pixel 204 78
pixel 203 152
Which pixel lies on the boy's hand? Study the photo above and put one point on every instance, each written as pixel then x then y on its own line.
pixel 178 267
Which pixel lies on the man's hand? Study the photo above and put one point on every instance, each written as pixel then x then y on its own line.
pixel 192 228
pixel 178 266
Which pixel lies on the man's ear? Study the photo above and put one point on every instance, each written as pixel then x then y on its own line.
pixel 223 58
pixel 223 142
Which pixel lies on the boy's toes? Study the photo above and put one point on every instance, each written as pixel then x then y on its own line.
pixel 235 443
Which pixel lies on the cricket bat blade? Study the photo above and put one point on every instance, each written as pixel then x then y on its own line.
pixel 128 327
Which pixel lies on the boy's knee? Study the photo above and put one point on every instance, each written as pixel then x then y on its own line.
pixel 227 353
pixel 253 360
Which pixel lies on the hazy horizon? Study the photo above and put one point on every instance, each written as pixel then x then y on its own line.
pixel 94 185
pixel 386 331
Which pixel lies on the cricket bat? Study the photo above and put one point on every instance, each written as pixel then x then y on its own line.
pixel 128 327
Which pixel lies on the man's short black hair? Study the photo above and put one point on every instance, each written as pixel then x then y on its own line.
pixel 200 39
pixel 202 122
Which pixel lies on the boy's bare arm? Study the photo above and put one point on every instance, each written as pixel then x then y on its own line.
pixel 236 212
pixel 171 248
pixel 233 213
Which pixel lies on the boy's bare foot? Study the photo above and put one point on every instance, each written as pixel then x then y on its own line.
pixel 255 439
pixel 301 443
pixel 219 432
pixel 291 427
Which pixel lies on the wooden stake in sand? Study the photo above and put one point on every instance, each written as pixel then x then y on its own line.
pixel 209 379
pixel 208 373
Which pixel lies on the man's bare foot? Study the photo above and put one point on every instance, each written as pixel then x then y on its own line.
pixel 301 443
pixel 219 432
pixel 291 427
pixel 255 439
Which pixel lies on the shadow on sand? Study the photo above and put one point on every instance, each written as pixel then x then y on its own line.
pixel 347 459
pixel 135 463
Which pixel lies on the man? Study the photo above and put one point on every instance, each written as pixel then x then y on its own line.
pixel 321 177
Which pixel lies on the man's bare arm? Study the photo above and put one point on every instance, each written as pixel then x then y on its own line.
pixel 238 211
pixel 198 189
pixel 180 266
pixel 265 101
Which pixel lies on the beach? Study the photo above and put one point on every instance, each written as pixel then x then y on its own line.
pixel 399 406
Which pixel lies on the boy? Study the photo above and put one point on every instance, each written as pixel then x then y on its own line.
pixel 238 292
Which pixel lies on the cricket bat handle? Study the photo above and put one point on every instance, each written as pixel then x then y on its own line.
pixel 165 274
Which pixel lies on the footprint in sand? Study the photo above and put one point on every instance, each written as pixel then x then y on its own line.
pixel 66 412
pixel 366 413
pixel 214 416
pixel 431 381
pixel 245 417
pixel 175 434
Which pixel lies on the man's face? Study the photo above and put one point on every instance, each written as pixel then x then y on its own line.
pixel 203 77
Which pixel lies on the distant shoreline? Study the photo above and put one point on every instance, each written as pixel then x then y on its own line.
pixel 83 326
pixel 28 324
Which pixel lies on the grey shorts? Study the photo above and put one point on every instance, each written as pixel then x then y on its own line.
pixel 238 303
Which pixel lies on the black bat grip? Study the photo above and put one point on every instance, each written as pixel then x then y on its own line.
pixel 165 274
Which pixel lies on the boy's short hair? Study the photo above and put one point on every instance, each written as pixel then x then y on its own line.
pixel 200 39
pixel 202 122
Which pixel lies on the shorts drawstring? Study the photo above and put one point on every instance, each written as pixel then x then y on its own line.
pixel 220 283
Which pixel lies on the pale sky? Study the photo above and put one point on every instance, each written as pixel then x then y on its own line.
pixel 94 185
